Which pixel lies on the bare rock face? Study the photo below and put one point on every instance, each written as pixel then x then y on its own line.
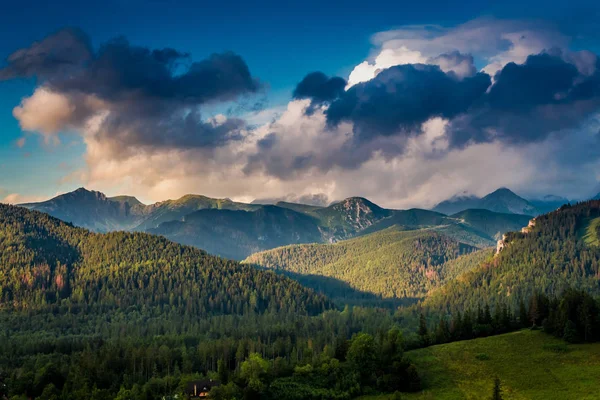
pixel 529 226
pixel 501 244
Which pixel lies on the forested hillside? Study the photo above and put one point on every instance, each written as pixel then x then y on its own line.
pixel 45 262
pixel 548 257
pixel 392 263
pixel 133 316
pixel 236 234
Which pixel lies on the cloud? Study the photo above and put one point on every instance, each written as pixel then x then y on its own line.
pixel 132 97
pixel 545 95
pixel 319 88
pixel 399 99
pixel 16 198
pixel 58 54
pixel 496 42
pixel 45 112
pixel 436 111
pixel 461 65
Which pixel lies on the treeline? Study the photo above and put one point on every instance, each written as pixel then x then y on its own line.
pixel 295 354
pixel 573 316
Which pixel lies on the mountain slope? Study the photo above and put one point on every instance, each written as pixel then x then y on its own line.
pixel 176 210
pixel 236 234
pixel 391 263
pixel 492 224
pixel 92 210
pixel 505 201
pixel 349 216
pixel 501 201
pixel 236 230
pixel 549 257
pixel 549 203
pixel 45 262
pixel 457 204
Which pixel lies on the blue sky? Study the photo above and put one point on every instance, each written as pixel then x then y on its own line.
pixel 279 42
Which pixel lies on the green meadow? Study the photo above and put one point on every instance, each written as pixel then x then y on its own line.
pixel 530 365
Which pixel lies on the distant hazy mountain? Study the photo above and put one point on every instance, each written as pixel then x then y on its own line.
pixel 236 233
pixel 502 201
pixel 93 210
pixel 456 204
pixel 236 230
pixel 319 199
pixel 549 203
pixel 176 210
pixel 505 201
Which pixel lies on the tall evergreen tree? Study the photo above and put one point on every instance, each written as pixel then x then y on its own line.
pixel 497 393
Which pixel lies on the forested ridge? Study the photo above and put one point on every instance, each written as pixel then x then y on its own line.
pixel 549 257
pixel 135 316
pixel 393 263
pixel 46 262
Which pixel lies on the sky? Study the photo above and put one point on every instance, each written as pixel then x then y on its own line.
pixel 405 103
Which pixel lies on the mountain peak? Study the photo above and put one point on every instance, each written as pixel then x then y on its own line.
pixel 131 200
pixel 501 200
pixel 503 191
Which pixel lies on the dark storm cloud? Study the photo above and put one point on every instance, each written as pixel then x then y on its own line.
pixel 57 55
pixel 119 69
pixel 529 101
pixel 401 98
pixel 548 94
pixel 153 96
pixel 319 87
pixel 542 79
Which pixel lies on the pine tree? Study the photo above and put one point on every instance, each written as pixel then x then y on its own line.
pixel 497 394
pixel 423 332
pixel 523 317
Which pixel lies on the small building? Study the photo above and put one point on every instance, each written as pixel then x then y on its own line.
pixel 200 389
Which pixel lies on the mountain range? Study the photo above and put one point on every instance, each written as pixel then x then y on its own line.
pixel 502 200
pixel 236 230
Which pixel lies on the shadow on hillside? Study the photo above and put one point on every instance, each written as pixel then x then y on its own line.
pixel 342 293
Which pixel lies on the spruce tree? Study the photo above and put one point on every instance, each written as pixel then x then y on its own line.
pixel 497 394
pixel 423 332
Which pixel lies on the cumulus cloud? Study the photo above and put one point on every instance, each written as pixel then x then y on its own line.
pixel 320 88
pixel 401 98
pixel 134 96
pixel 436 111
pixel 496 42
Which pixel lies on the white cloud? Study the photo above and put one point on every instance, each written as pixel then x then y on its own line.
pixel 495 42
pixel 16 198
pixel 291 152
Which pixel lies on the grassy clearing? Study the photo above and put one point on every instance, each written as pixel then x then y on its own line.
pixel 530 365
